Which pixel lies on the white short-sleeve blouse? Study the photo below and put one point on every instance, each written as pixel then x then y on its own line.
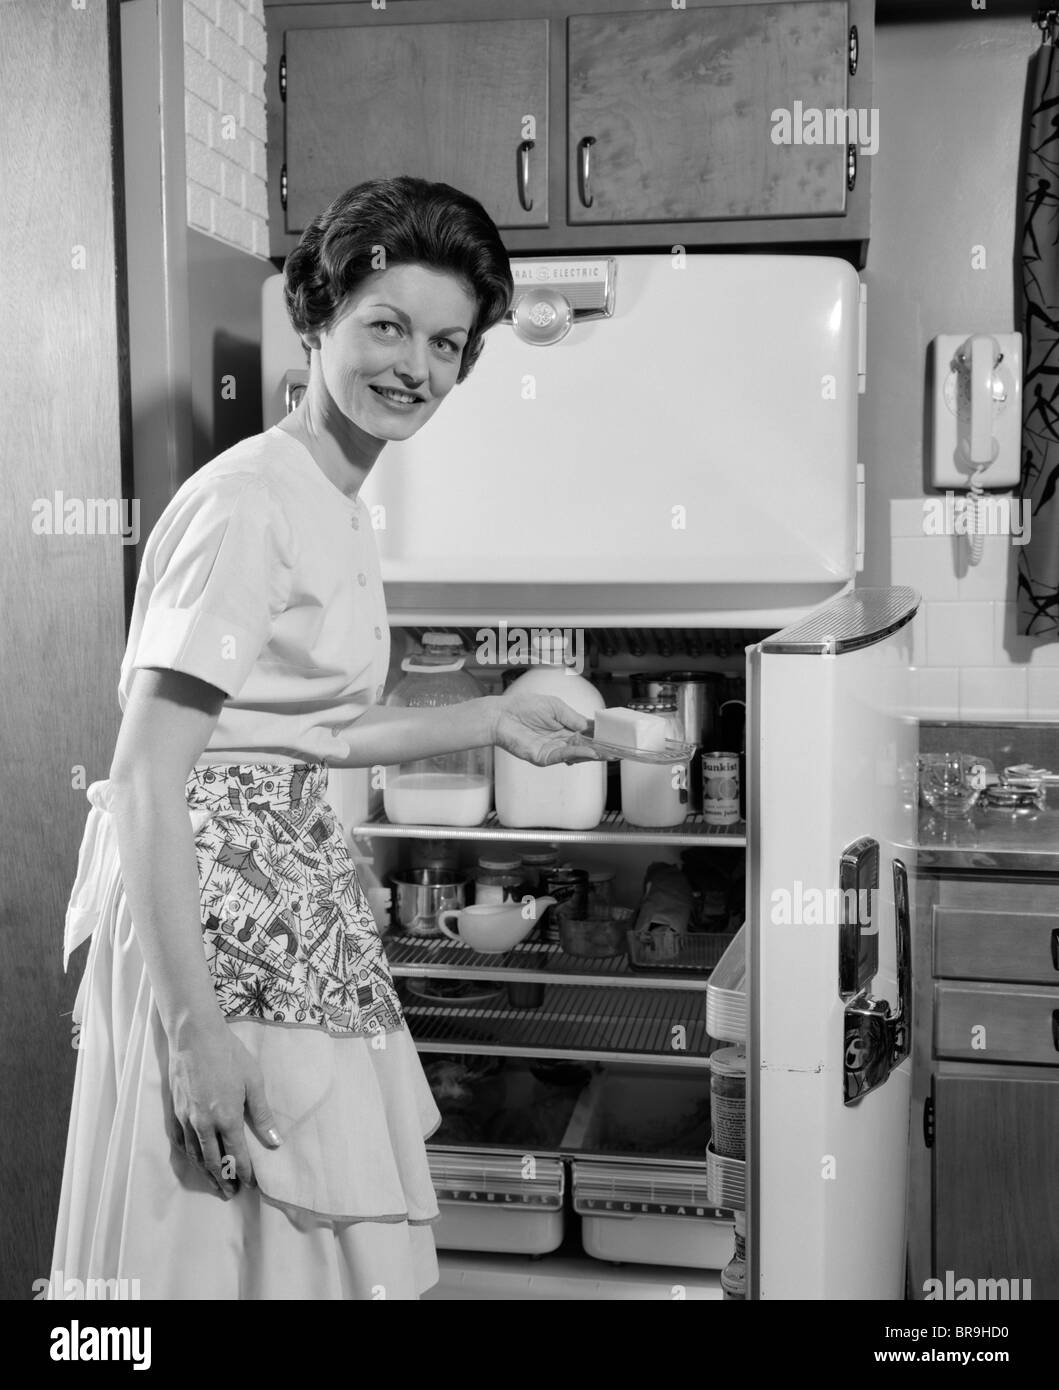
pixel 262 578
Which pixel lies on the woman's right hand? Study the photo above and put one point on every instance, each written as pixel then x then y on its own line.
pixel 214 1082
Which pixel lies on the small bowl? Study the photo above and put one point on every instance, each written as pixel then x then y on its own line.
pixel 950 783
pixel 600 934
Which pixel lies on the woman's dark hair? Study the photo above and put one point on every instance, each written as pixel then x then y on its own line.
pixel 400 221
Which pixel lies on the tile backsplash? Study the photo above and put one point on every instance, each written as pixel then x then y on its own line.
pixel 970 661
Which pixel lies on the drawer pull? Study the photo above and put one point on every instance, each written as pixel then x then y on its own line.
pixel 1055 947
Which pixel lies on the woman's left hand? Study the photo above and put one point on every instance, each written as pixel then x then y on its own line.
pixel 540 730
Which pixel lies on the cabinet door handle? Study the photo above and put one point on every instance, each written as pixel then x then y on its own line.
pixel 523 175
pixel 1055 1029
pixel 1055 947
pixel 584 169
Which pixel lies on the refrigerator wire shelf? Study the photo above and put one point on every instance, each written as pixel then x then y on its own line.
pixel 575 1021
pixel 612 830
pixel 541 962
pixel 665 643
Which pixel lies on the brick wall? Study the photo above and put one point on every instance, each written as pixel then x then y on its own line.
pixel 224 78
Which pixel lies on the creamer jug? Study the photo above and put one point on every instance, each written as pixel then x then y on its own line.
pixel 451 788
pixel 568 796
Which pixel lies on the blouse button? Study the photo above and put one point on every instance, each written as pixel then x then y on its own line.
pixel 362 579
pixel 378 633
pixel 354 521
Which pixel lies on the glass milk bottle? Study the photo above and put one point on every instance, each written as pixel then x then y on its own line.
pixel 655 794
pixel 451 788
pixel 568 796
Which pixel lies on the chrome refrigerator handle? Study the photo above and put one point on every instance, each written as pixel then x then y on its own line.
pixel 876 1039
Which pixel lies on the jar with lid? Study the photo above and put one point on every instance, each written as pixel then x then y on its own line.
pixel 499 879
pixel 450 788
pixel 733 1275
pixel 655 794
pixel 537 864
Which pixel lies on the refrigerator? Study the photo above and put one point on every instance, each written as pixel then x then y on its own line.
pixel 659 453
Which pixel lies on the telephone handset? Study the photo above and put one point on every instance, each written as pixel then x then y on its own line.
pixel 977 419
pixel 977 386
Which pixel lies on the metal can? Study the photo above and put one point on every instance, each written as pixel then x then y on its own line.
pixel 728 1102
pixel 720 788
pixel 569 888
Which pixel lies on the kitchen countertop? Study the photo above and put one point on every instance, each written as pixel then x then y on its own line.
pixel 990 840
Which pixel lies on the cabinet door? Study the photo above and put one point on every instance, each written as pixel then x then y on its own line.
pixel 440 101
pixel 680 107
pixel 996 1207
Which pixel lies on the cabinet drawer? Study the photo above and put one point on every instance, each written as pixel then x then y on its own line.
pixel 982 1024
pixel 976 945
pixel 1001 894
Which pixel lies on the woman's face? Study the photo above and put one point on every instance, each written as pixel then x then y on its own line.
pixel 393 353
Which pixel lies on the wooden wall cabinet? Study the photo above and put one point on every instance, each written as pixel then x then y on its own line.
pixel 985 1126
pixel 584 125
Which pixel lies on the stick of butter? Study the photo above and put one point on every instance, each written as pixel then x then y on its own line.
pixel 630 728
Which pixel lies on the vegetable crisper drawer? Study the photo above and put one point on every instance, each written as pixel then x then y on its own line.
pixel 996 1023
pixel 650 1214
pixel 508 1203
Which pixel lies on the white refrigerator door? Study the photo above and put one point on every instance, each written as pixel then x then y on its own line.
pixel 832 761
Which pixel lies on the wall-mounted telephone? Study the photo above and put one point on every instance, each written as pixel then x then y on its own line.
pixel 977 416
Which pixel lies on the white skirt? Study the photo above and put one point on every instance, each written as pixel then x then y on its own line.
pixel 344 1207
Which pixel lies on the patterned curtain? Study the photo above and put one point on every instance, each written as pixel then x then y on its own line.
pixel 1038 561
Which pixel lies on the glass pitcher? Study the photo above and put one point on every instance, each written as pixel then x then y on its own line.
pixel 450 788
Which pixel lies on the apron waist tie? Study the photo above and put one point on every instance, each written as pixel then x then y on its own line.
pixel 99 867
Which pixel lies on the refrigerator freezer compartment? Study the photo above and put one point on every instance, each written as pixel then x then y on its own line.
pixel 650 1214
pixel 504 1203
pixel 507 1106
pixel 726 993
pixel 577 1022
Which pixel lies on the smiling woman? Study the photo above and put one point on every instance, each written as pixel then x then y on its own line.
pixel 241 1037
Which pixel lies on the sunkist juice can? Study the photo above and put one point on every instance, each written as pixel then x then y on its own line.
pixel 720 788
